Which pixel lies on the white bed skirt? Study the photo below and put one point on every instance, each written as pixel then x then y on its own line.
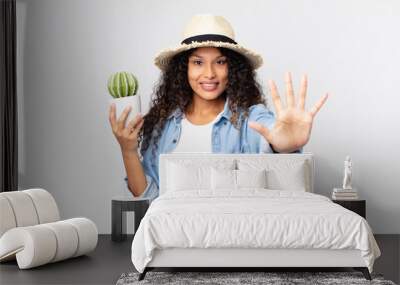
pixel 235 257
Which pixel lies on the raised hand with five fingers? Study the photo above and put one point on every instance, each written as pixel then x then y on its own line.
pixel 293 123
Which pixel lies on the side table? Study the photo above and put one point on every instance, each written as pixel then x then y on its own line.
pixel 357 206
pixel 119 206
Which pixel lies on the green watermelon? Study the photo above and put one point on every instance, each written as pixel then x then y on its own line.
pixel 122 84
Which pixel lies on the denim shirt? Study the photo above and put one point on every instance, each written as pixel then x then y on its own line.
pixel 225 138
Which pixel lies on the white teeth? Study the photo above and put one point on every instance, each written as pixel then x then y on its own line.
pixel 209 86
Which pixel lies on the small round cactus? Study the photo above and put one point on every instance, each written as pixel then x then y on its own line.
pixel 122 84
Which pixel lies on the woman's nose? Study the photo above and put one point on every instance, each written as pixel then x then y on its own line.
pixel 209 71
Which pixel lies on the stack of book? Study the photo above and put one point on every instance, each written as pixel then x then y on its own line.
pixel 344 194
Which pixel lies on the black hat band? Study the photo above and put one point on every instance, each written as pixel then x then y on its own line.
pixel 208 37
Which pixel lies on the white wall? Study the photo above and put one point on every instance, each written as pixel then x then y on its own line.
pixel 67 50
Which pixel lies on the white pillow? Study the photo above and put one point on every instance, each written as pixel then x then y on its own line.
pixel 230 180
pixel 288 178
pixel 193 174
pixel 251 178
pixel 282 174
pixel 223 179
pixel 182 177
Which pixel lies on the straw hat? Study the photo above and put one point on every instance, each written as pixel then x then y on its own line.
pixel 206 30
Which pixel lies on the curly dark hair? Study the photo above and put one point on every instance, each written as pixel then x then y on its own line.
pixel 173 91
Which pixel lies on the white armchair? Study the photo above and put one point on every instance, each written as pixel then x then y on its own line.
pixel 32 233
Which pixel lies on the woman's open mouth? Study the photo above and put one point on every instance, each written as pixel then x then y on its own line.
pixel 209 86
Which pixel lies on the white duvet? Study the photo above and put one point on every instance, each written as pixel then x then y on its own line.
pixel 254 218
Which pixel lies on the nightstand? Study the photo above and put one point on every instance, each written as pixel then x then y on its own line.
pixel 119 206
pixel 357 206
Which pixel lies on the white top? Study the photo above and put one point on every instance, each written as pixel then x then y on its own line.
pixel 195 138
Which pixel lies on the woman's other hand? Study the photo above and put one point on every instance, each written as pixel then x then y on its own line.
pixel 127 137
pixel 293 123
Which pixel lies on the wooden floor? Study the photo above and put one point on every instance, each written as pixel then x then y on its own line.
pixel 111 259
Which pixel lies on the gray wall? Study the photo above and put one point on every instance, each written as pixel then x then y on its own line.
pixel 67 50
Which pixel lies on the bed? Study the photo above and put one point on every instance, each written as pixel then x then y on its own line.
pixel 247 210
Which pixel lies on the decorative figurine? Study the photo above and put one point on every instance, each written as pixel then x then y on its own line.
pixel 347 173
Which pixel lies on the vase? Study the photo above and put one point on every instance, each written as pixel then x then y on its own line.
pixel 123 102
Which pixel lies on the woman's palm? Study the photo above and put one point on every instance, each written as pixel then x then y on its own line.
pixel 293 124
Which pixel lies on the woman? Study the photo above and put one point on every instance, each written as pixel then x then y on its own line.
pixel 208 100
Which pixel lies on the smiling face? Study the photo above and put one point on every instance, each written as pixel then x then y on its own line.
pixel 208 72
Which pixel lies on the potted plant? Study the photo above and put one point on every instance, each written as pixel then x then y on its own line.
pixel 123 87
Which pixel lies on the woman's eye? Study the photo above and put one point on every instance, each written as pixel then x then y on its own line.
pixel 199 62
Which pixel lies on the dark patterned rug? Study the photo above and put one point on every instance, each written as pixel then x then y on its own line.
pixel 270 278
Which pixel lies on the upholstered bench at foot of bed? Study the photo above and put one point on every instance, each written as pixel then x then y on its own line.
pixel 51 242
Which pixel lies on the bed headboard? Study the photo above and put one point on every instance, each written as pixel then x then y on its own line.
pixel 247 160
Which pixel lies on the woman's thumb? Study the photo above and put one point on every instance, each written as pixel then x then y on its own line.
pixel 261 129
